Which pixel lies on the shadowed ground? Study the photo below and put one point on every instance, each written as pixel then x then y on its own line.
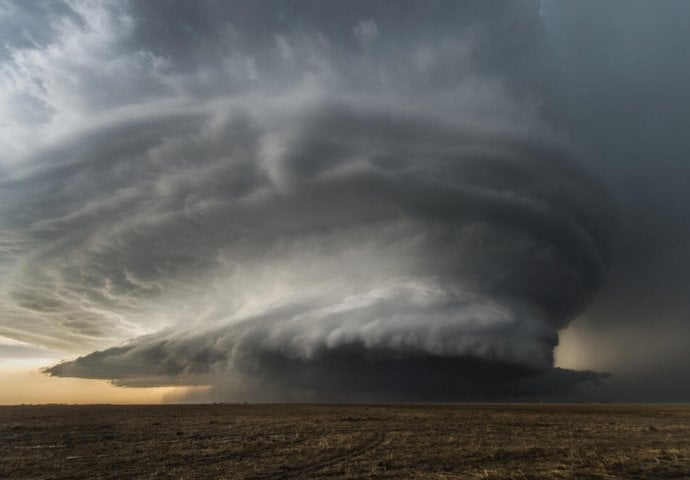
pixel 345 442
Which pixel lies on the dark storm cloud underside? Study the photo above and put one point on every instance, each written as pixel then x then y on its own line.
pixel 353 372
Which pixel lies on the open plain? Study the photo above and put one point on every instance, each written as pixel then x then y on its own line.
pixel 456 441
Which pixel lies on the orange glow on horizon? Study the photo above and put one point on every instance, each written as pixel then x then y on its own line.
pixel 30 386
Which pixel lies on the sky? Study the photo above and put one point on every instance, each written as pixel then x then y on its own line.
pixel 344 201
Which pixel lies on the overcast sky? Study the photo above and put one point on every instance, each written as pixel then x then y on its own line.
pixel 296 200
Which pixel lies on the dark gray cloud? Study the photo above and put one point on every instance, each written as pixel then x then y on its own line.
pixel 373 239
pixel 622 97
pixel 308 199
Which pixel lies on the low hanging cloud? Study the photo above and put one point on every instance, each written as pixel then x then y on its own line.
pixel 370 208
pixel 363 243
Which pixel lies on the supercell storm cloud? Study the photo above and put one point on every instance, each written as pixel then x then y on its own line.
pixel 368 232
pixel 307 198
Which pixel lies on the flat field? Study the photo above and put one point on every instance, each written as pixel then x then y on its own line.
pixel 459 441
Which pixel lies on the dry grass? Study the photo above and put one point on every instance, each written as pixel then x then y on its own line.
pixel 345 442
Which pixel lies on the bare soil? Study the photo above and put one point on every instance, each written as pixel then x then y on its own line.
pixel 261 442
